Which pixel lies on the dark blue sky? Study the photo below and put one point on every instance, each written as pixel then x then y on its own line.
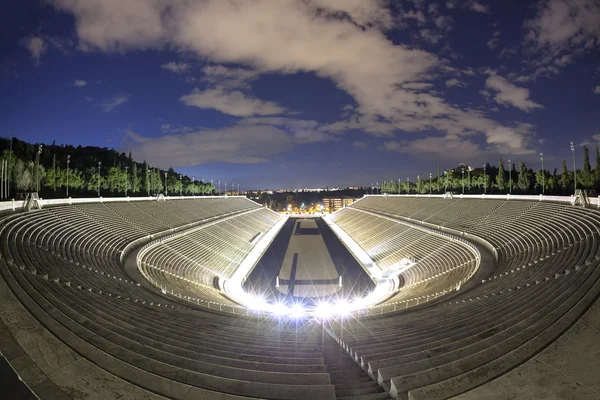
pixel 305 94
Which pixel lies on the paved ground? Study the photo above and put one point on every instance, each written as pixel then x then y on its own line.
pixel 308 258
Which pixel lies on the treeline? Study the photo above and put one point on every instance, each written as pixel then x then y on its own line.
pixel 500 179
pixel 52 170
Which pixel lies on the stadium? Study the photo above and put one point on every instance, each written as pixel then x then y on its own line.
pixel 217 297
pixel 300 200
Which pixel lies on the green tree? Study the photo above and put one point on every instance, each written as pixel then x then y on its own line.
pixel 564 177
pixel 500 178
pixel 523 183
pixel 586 172
pixel 597 170
pixel 22 177
pixel 551 183
pixel 135 180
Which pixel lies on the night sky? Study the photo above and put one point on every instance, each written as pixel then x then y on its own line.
pixel 311 93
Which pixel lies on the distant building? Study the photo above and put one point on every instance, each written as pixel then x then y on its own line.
pixel 332 204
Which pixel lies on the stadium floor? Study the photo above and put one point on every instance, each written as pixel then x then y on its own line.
pixel 315 278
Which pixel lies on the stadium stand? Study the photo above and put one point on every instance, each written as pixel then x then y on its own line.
pixel 75 324
pixel 546 276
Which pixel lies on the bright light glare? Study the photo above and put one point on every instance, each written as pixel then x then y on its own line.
pixel 297 311
pixel 257 303
pixel 342 308
pixel 279 309
pixel 324 310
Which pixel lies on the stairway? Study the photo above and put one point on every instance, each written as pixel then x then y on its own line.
pixel 350 381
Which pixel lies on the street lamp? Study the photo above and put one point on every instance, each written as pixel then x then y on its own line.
pixel 126 181
pixel 147 180
pixel 469 178
pixel 219 187
pixel 225 188
pixel 99 164
pixel 180 186
pixel 430 177
pixel 418 184
pixel 68 161
pixel 166 188
pixel 463 180
pixel 509 177
pixel 211 185
pixel 238 191
pixel 574 169
pixel 37 169
pixel 484 179
pixel 407 185
pixel 543 172
pixel 193 187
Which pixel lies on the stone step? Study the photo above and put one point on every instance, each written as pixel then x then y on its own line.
pixel 355 391
pixel 373 396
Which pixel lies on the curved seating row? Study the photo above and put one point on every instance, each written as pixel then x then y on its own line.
pixel 547 274
pixel 439 264
pixel 186 265
pixel 63 264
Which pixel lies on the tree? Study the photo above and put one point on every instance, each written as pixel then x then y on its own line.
pixel 135 181
pixel 500 179
pixel 541 180
pixel 586 171
pixel 524 182
pixel 564 177
pixel 22 176
pixel 597 169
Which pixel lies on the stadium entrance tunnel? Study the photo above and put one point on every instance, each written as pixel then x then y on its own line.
pixel 307 271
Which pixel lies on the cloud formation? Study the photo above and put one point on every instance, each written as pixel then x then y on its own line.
pixel 597 90
pixel 176 67
pixel 79 83
pixel 235 144
pixel 343 41
pixel 233 103
pixel 113 103
pixel 509 94
pixel 36 47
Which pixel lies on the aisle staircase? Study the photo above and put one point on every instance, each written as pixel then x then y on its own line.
pixel 350 381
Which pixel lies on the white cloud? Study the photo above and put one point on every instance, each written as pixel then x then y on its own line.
pixel 79 83
pixel 445 148
pixel 230 102
pixel 303 131
pixel 560 24
pixel 230 78
pixel 286 38
pixel 359 144
pixel 417 85
pixel 235 144
pixel 478 7
pixel 597 90
pixel 113 103
pixel 509 94
pixel 494 41
pixel 453 82
pixel 176 67
pixel 36 47
pixel 559 31
pixel 563 61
